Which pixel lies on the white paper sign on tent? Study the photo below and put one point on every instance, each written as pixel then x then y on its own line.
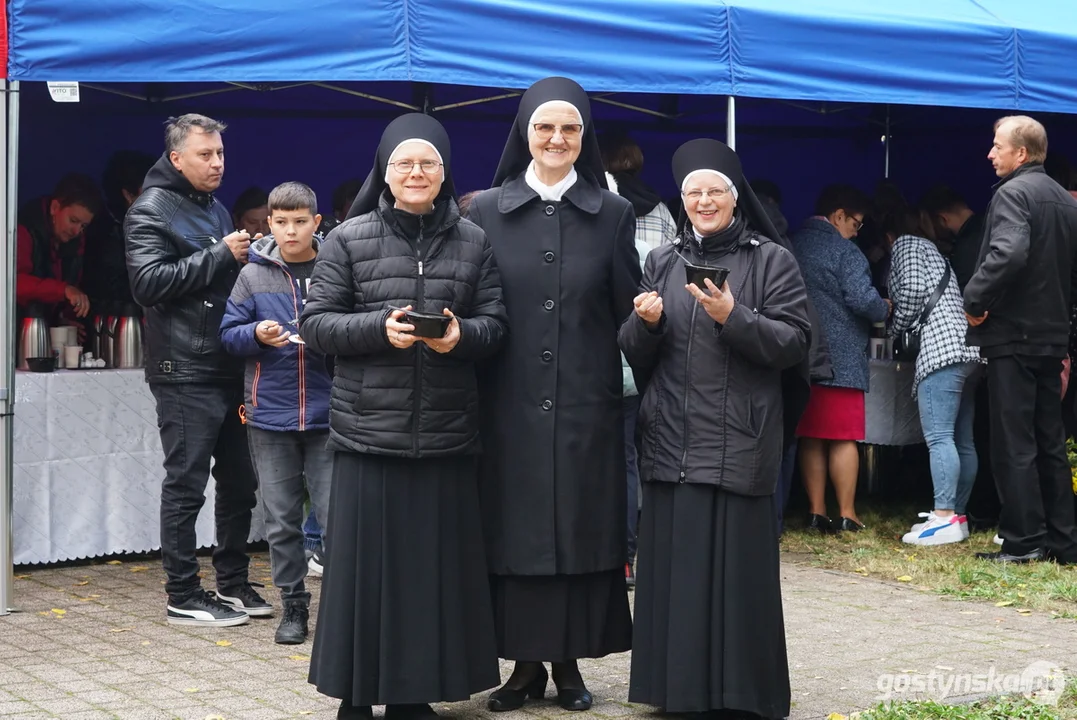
pixel 64 91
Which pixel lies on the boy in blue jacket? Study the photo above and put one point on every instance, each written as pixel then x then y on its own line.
pixel 286 406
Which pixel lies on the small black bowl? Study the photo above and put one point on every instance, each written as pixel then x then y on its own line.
pixel 41 365
pixel 428 325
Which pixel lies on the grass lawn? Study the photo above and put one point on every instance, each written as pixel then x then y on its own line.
pixel 947 569
pixel 1007 708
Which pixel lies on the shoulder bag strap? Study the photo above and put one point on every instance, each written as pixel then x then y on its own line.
pixel 935 296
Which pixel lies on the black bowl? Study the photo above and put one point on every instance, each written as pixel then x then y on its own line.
pixel 697 273
pixel 429 325
pixel 41 365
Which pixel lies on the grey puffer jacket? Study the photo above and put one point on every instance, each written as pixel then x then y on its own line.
pixel 713 409
pixel 413 403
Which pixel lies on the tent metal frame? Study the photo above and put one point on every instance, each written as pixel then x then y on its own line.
pixel 9 131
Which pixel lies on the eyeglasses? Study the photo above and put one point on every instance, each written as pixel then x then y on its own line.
pixel 716 193
pixel 545 131
pixel 406 166
pixel 857 224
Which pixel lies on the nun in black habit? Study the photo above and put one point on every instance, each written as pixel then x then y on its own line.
pixel 728 381
pixel 405 617
pixel 552 474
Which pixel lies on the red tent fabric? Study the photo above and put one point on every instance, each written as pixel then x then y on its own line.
pixel 3 40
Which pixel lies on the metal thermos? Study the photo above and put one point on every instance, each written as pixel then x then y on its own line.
pixel 34 340
pixel 101 343
pixel 127 339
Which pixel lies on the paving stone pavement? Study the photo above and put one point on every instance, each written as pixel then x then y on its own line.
pixel 90 643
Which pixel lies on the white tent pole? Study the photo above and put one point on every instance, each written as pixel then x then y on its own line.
pixel 731 123
pixel 9 128
pixel 886 145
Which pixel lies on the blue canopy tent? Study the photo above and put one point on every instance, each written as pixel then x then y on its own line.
pixel 466 60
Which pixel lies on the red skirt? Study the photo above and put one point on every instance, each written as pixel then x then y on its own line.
pixel 833 413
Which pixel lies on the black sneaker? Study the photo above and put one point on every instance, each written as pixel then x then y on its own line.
pixel 316 564
pixel 245 598
pixel 293 626
pixel 203 609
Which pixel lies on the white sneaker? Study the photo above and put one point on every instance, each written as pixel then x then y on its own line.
pixel 316 565
pixel 939 531
pixel 929 515
pixel 997 539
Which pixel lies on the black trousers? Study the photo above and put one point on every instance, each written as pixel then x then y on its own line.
pixel 1028 455
pixel 199 422
pixel 983 506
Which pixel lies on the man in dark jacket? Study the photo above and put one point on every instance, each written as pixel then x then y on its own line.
pixel 183 258
pixel 105 266
pixel 1018 304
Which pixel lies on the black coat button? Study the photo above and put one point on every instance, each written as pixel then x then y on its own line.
pixel 549 210
pixel 548 257
pixel 547 405
pixel 548 305
pixel 547 355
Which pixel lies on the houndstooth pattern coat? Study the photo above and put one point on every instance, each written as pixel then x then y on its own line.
pixel 916 269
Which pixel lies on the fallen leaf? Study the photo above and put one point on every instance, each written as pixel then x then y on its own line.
pixel 836 716
pixel 190 690
pixel 22 577
pixel 44 614
pixel 862 571
pixel 1004 603
pixel 145 642
pixel 1022 596
pixel 61 613
pixel 905 578
pixel 1024 611
pixel 943 667
pixel 114 562
pixel 95 596
pixel 224 643
pixel 299 658
pixel 84 582
pixel 119 630
pixel 139 568
pixel 1022 585
pixel 306 712
pixel 214 717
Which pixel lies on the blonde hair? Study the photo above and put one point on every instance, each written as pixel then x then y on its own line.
pixel 1028 133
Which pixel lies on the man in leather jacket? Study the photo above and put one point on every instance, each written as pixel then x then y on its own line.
pixel 182 259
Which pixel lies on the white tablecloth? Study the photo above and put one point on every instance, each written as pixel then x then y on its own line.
pixel 88 467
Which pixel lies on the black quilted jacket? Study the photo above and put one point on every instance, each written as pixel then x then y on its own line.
pixel 414 402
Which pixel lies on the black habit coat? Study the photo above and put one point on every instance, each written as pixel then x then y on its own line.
pixel 552 474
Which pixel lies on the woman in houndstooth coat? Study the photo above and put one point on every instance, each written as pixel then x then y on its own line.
pixel 947 371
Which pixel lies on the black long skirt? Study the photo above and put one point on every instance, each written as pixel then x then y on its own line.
pixel 405 613
pixel 555 618
pixel 709 632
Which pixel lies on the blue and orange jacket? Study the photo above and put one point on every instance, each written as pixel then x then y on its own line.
pixel 287 388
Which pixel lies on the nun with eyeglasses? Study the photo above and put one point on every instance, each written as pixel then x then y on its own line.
pixel 553 466
pixel 722 331
pixel 405 617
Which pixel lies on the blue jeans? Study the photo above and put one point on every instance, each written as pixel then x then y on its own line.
pixel 947 400
pixel 312 532
pixel 631 412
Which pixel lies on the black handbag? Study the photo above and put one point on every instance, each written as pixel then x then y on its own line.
pixel 907 343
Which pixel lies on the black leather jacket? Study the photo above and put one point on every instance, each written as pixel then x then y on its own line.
pixel 181 272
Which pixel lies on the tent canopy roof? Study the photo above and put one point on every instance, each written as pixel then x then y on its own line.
pixel 970 53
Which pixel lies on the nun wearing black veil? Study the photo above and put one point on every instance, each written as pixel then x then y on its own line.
pixel 553 467
pixel 728 382
pixel 405 617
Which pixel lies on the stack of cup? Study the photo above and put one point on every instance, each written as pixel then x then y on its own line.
pixel 58 337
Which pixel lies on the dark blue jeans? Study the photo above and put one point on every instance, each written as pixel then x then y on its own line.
pixel 200 422
pixel 312 532
pixel 631 412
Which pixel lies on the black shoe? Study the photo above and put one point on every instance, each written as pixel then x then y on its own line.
pixel 203 609
pixel 410 712
pixel 847 525
pixel 821 524
pixel 293 626
pixel 347 711
pixel 572 698
pixel 1004 557
pixel 630 576
pixel 505 698
pixel 244 597
pixel 316 564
